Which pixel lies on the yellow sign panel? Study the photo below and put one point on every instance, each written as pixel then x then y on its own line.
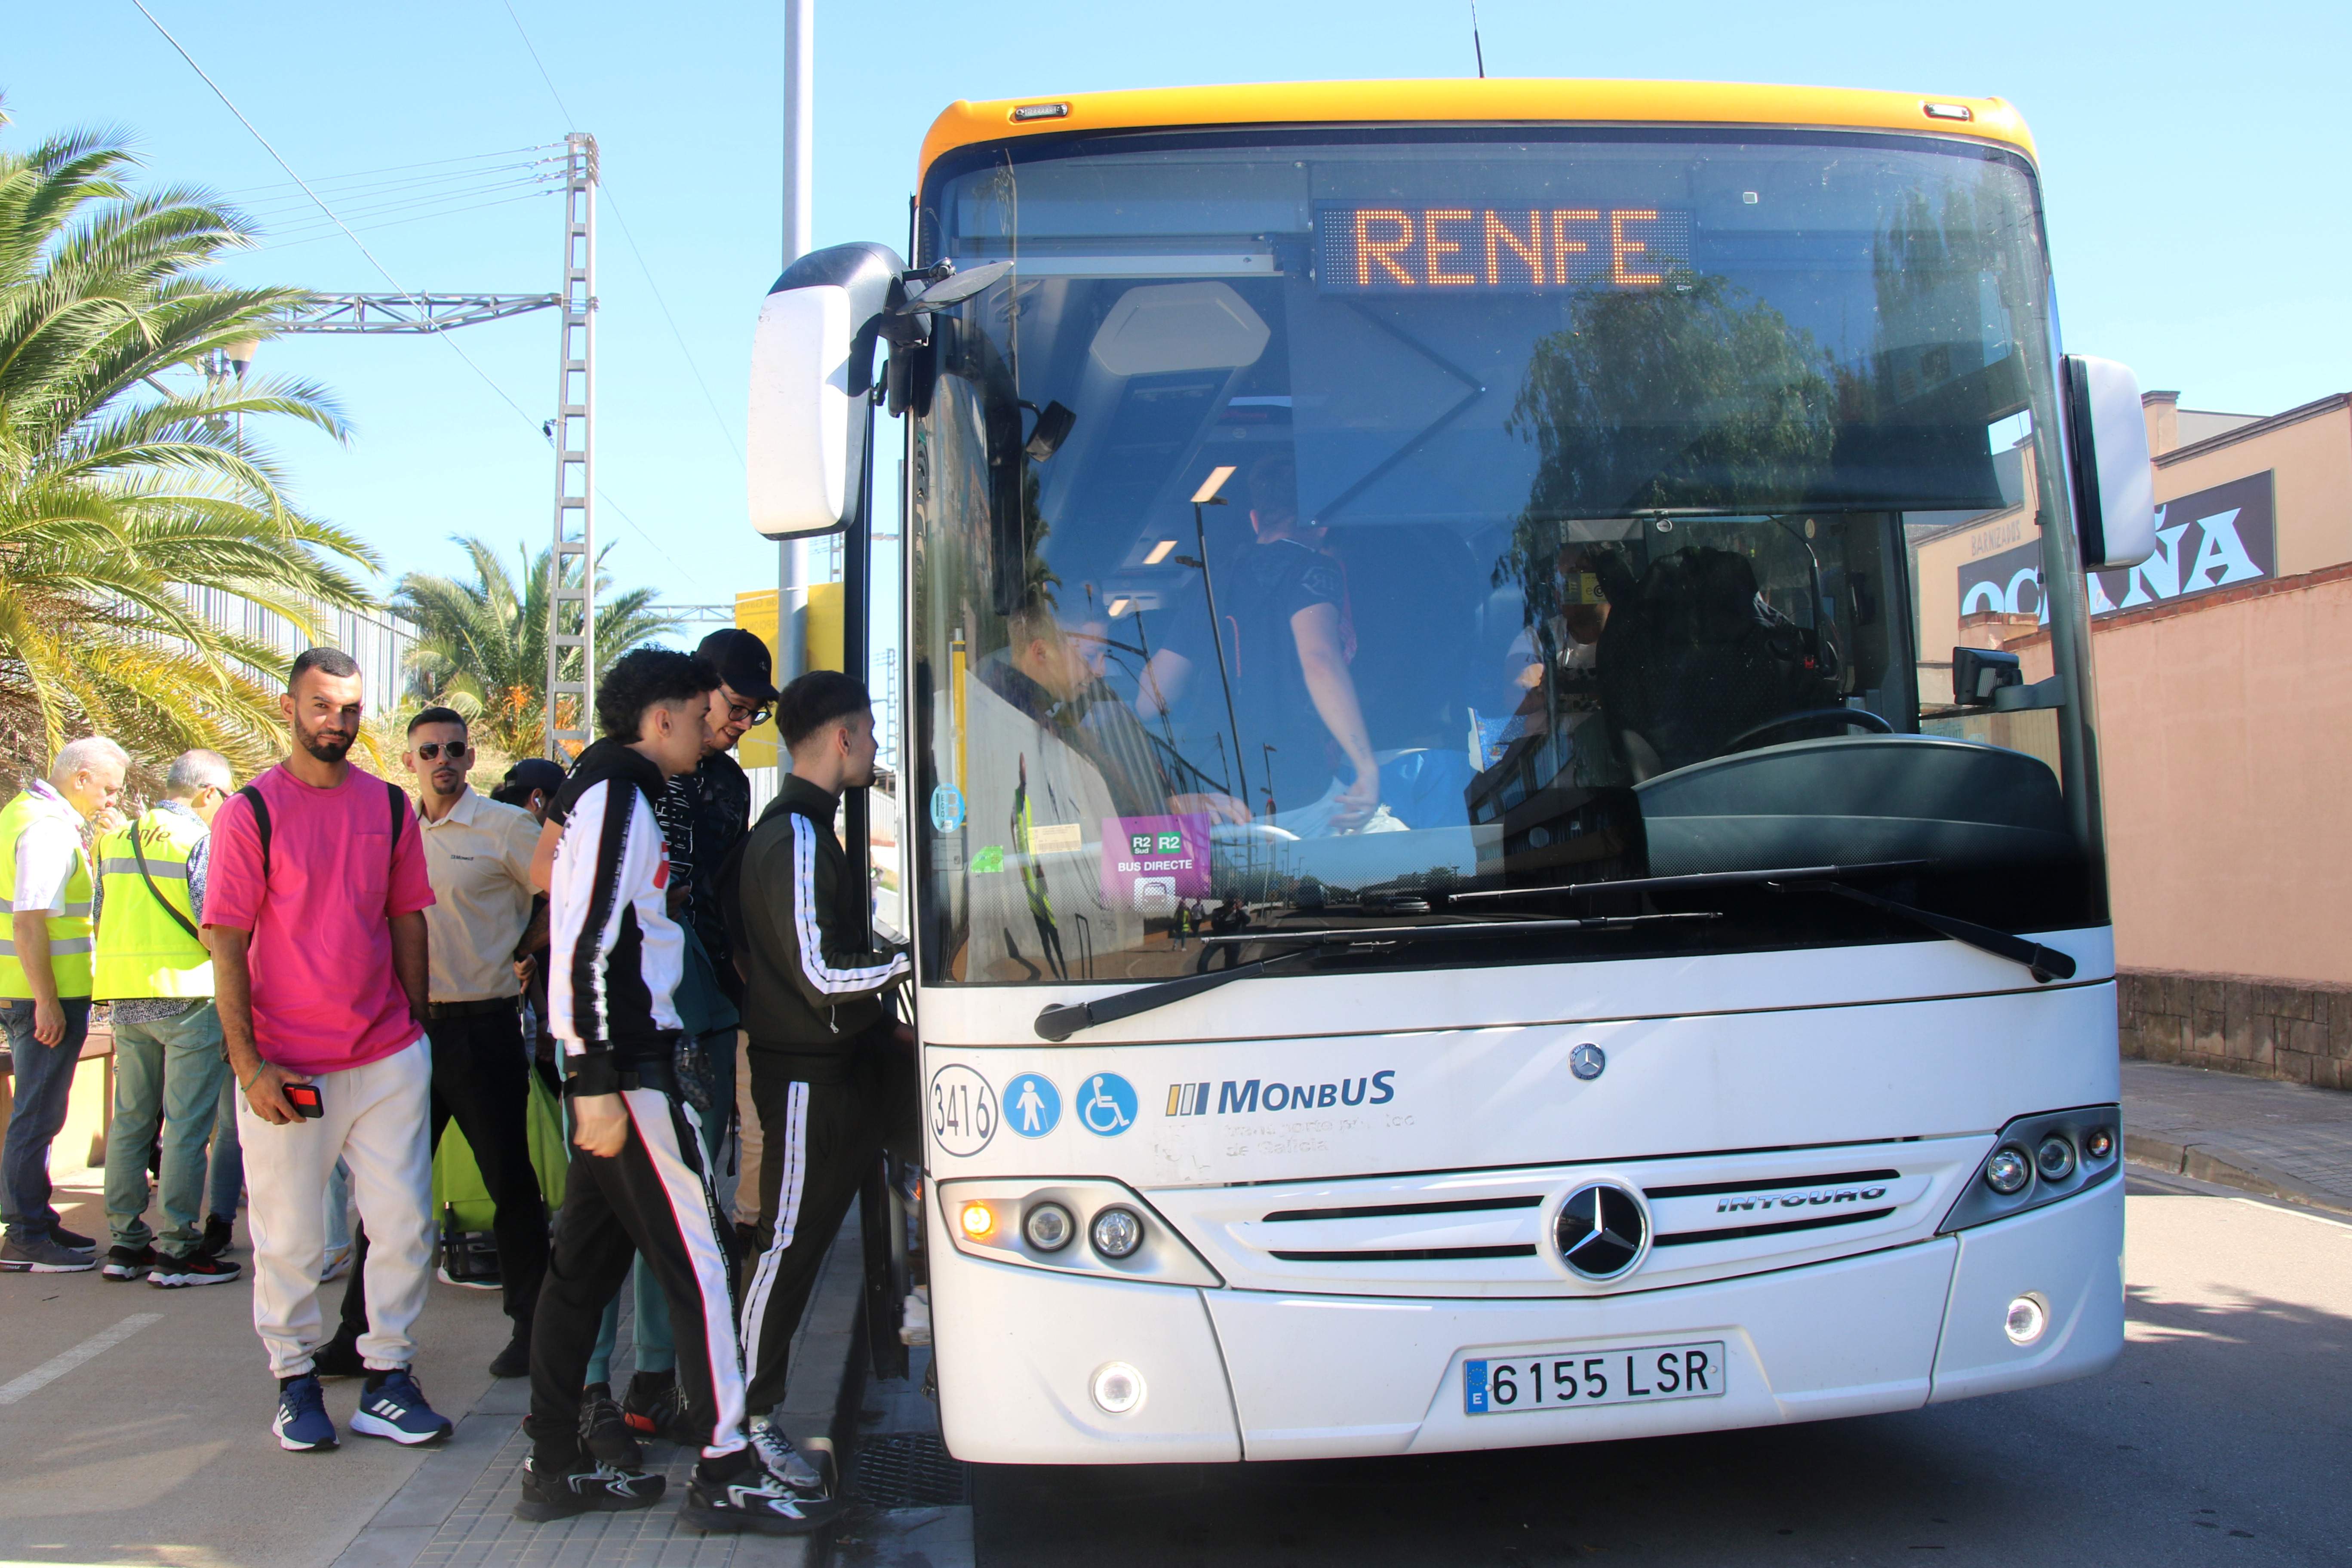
pixel 756 613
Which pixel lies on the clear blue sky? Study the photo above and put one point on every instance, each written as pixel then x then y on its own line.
pixel 2191 157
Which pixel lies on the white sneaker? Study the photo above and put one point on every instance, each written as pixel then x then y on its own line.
pixel 339 1263
pixel 784 1462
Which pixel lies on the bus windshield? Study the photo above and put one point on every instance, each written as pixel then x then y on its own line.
pixel 1317 528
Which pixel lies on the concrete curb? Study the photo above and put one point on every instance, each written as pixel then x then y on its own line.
pixel 2226 1167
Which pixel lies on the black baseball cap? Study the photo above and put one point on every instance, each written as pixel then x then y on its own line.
pixel 528 775
pixel 743 663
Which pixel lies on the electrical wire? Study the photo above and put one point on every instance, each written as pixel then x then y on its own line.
pixel 356 216
pixel 363 200
pixel 726 433
pixel 280 159
pixel 399 168
pixel 398 286
pixel 398 222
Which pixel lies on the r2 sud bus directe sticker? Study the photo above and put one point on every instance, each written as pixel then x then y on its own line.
pixel 1558 1380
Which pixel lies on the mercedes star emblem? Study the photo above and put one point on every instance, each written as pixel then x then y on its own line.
pixel 1588 1061
pixel 1600 1231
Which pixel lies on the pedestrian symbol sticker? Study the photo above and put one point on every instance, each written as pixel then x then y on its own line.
pixel 963 1110
pixel 1105 1103
pixel 1032 1105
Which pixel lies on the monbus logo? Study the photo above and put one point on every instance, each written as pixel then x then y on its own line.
pixel 1249 1097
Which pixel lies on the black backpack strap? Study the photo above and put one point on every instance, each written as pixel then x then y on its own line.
pixel 170 908
pixel 261 826
pixel 399 815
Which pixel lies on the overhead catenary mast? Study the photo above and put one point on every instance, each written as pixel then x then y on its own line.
pixel 571 567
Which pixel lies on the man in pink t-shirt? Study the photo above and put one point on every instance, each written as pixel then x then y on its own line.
pixel 313 910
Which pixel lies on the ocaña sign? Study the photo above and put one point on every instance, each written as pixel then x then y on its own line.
pixel 2214 539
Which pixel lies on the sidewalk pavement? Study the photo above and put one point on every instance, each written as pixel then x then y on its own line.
pixel 134 1430
pixel 2281 1140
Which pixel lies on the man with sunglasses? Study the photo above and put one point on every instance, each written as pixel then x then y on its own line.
pixel 477 858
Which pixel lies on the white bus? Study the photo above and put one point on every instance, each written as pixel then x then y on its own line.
pixel 1465 891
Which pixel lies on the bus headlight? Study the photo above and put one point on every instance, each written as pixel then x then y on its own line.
pixel 1117 1388
pixel 1117 1232
pixel 2025 1319
pixel 2055 1159
pixel 2043 1158
pixel 1035 1222
pixel 1048 1227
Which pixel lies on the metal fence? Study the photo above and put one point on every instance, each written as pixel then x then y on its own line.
pixel 380 642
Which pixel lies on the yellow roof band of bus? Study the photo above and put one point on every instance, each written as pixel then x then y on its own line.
pixel 1469 101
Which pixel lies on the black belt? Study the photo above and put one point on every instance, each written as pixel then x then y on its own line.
pixel 487 1007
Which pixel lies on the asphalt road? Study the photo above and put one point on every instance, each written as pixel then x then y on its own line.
pixel 2222 1436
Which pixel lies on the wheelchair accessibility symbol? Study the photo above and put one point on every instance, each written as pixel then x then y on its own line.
pixel 1105 1103
pixel 1032 1105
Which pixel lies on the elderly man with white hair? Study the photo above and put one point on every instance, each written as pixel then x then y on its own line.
pixel 47 888
pixel 156 975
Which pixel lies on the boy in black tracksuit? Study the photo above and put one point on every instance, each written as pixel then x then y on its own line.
pixel 832 1073
pixel 639 1182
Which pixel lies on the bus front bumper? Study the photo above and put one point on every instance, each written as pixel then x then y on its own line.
pixel 1229 1374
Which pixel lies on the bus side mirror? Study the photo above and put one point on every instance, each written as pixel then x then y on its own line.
pixel 1979 672
pixel 812 363
pixel 2115 488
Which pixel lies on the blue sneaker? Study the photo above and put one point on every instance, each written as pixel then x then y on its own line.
pixel 395 1409
pixel 302 1423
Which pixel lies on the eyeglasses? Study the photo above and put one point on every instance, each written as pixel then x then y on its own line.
pixel 432 749
pixel 754 717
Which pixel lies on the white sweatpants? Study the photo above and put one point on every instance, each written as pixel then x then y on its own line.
pixel 378 1119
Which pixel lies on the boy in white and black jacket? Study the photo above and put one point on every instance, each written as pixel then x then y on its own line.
pixel 640 1182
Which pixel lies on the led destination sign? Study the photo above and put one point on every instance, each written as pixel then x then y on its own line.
pixel 1395 249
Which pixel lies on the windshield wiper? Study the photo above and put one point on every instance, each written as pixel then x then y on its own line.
pixel 2043 963
pixel 1696 880
pixel 1059 1022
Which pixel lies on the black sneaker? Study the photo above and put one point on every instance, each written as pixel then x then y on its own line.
pixel 339 1357
pixel 590 1485
pixel 177 1273
pixel 754 1502
pixel 43 1255
pixel 128 1262
pixel 71 1240
pixel 654 1406
pixel 515 1360
pixel 219 1233
pixel 604 1434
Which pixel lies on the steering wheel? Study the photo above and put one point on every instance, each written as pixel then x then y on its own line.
pixel 1862 718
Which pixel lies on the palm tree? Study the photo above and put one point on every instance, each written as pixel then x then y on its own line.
pixel 485 642
pixel 118 494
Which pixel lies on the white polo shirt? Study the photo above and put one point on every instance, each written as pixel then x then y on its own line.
pixel 478 860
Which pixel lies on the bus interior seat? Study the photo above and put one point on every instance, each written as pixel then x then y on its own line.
pixel 1688 664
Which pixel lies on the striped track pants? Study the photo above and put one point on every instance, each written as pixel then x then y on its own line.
pixel 817 1143
pixel 652 1200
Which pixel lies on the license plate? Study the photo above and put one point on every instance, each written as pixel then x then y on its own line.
pixel 1559 1380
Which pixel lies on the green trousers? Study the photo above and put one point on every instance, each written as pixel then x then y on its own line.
pixel 167 1073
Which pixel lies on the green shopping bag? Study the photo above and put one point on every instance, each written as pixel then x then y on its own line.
pixel 457 1179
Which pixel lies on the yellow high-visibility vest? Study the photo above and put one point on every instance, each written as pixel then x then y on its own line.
pixel 70 933
pixel 142 950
